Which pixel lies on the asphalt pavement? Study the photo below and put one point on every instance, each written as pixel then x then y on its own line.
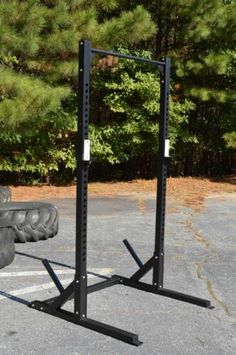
pixel 200 259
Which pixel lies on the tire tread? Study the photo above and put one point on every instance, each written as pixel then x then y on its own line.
pixel 7 246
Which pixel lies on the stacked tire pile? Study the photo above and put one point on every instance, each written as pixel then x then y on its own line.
pixel 22 222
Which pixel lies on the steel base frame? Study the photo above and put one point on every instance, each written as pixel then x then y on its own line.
pixel 78 289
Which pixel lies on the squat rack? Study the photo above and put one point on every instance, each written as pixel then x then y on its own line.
pixel 78 288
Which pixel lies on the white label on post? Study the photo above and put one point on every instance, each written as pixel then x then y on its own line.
pixel 167 148
pixel 86 155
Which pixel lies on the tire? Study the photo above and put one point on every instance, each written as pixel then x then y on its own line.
pixel 7 246
pixel 31 221
pixel 5 194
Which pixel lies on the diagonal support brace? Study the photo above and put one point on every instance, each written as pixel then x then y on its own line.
pixel 53 275
pixel 133 253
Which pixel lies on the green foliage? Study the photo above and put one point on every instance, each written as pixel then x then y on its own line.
pixel 129 111
pixel 200 37
pixel 230 139
pixel 26 98
pixel 38 70
pixel 41 150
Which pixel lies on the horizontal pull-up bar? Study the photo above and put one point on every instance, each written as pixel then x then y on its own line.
pixel 127 56
pixel 79 289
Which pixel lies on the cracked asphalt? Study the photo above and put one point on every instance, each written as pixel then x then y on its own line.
pixel 200 256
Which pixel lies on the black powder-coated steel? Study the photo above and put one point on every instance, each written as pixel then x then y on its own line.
pixel 78 288
pixel 127 337
pixel 127 56
pixel 82 181
pixel 142 270
pixel 165 292
pixel 103 284
pixel 53 275
pixel 132 252
pixel 158 261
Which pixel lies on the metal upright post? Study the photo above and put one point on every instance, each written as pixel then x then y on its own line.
pixel 83 157
pixel 78 288
pixel 158 260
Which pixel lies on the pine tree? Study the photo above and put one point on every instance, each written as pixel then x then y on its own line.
pixel 200 37
pixel 39 44
pixel 38 73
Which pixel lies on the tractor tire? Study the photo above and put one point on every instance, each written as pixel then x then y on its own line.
pixel 7 246
pixel 5 194
pixel 31 221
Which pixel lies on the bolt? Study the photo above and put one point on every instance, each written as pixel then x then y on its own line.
pixel 83 277
pixel 162 81
pixel 76 312
pixel 83 315
pixel 77 281
pixel 156 257
pixel 155 283
pixel 81 43
pixel 160 286
pixel 81 69
pixel 32 305
pixel 41 308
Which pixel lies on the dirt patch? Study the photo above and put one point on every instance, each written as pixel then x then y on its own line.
pixel 190 191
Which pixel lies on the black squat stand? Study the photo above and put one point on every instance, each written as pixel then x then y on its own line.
pixel 78 289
